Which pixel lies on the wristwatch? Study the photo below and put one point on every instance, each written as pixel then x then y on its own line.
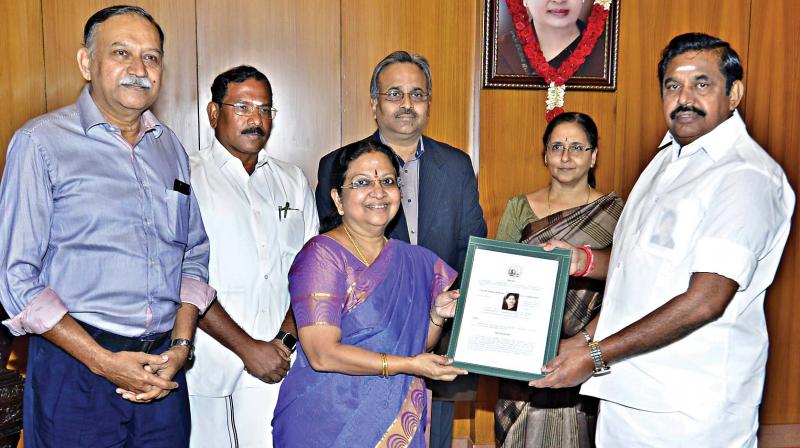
pixel 287 339
pixel 600 367
pixel 186 343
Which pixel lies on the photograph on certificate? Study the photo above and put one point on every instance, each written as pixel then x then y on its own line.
pixel 505 318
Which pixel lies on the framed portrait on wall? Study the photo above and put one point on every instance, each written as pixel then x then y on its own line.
pixel 577 39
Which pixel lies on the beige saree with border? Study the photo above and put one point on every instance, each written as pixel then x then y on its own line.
pixel 556 418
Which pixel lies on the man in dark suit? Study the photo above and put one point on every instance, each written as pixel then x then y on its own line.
pixel 440 193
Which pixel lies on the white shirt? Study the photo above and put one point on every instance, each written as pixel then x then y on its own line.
pixel 719 205
pixel 252 249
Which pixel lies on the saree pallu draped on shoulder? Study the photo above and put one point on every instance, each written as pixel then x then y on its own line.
pixel 382 308
pixel 528 417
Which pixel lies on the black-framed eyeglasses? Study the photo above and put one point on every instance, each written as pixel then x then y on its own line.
pixel 387 183
pixel 245 109
pixel 397 95
pixel 575 148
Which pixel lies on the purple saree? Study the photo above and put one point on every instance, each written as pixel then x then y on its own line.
pixel 383 308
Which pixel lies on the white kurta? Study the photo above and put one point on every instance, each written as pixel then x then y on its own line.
pixel 252 249
pixel 718 205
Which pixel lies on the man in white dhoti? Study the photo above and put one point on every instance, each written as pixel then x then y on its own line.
pixel 258 212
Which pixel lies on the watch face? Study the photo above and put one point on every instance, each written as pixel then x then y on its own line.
pixel 288 340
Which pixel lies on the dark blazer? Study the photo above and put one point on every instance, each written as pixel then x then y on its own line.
pixel 449 213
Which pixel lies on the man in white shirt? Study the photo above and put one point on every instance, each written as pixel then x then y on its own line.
pixel 258 212
pixel 682 328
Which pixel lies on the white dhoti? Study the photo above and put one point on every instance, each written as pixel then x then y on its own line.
pixel 241 420
pixel 622 426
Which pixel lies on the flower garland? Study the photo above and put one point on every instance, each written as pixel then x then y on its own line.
pixel 556 78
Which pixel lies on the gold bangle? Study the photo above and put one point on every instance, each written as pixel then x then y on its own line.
pixel 384 366
pixel 434 322
pixel 586 336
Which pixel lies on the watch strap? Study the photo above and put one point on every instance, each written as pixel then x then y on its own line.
pixel 600 367
pixel 186 343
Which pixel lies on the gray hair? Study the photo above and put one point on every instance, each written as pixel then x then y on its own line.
pixel 90 29
pixel 396 58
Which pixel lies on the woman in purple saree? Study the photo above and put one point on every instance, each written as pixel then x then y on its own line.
pixel 367 310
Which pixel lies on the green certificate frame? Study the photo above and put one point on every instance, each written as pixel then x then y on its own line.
pixel 508 319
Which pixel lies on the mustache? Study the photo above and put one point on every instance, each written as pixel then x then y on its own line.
pixel 406 111
pixel 680 109
pixel 254 130
pixel 137 81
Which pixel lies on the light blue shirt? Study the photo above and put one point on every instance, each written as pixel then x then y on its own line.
pixel 92 226
pixel 409 186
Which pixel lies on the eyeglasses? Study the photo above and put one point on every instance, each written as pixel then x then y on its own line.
pixel 575 148
pixel 246 109
pixel 397 95
pixel 387 183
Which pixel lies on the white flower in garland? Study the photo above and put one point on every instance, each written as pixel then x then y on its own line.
pixel 606 4
pixel 555 96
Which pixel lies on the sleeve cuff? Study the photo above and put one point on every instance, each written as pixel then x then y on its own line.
pixel 197 293
pixel 722 257
pixel 41 314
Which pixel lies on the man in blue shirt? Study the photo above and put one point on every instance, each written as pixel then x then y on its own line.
pixel 103 252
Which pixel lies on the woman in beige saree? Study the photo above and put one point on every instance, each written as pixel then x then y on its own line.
pixel 572 210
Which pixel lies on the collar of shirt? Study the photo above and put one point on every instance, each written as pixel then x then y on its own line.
pixel 417 154
pixel 716 143
pixel 222 156
pixel 91 116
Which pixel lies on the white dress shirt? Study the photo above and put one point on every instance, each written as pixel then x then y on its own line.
pixel 253 245
pixel 719 205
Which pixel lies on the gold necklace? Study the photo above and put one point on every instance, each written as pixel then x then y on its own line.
pixel 550 188
pixel 358 249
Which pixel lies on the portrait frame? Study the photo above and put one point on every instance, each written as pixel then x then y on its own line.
pixel 599 72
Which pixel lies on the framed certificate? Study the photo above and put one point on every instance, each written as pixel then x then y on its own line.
pixel 508 319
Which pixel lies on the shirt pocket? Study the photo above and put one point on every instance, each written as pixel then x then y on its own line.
pixel 177 219
pixel 672 230
pixel 291 230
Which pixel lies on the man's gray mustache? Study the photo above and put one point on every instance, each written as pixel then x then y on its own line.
pixel 406 111
pixel 137 81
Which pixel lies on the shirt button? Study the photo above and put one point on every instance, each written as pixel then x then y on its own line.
pixel 152 261
pixel 147 222
pixel 405 171
pixel 413 231
pixel 266 276
pixel 409 200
